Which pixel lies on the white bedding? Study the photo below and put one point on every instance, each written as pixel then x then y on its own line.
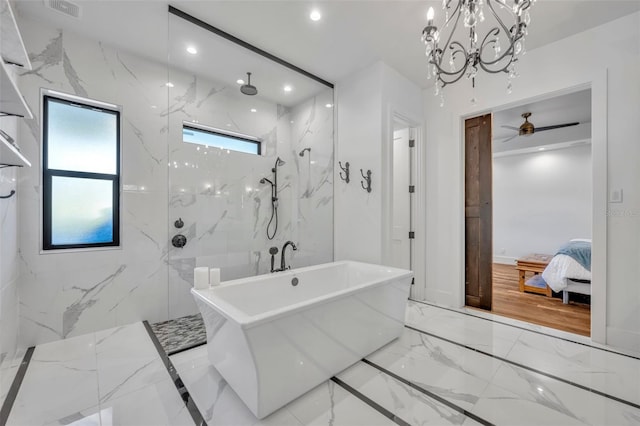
pixel 561 269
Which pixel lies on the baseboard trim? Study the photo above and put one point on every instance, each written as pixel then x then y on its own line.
pixel 624 339
pixel 505 260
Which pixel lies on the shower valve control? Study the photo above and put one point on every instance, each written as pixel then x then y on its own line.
pixel 179 241
pixel 178 223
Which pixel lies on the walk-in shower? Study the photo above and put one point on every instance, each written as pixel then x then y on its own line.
pixel 274 199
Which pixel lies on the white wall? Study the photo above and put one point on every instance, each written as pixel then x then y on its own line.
pixel 540 201
pixel 367 102
pixel 358 214
pixel 9 269
pixel 568 63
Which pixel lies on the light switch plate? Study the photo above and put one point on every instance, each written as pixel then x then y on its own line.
pixel 615 196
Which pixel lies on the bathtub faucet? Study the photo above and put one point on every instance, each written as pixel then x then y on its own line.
pixel 283 264
pixel 273 251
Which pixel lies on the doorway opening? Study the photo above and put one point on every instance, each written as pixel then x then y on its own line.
pixel 528 212
pixel 402 232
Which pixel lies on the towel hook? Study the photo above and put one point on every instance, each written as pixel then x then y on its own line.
pixel 8 196
pixel 345 170
pixel 367 178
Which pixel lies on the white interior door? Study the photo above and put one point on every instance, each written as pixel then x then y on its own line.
pixel 401 244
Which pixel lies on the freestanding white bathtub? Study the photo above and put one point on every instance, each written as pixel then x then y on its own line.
pixel 274 337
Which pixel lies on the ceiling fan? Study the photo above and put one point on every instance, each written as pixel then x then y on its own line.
pixel 527 128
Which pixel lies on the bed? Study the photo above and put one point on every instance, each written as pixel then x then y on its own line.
pixel 569 271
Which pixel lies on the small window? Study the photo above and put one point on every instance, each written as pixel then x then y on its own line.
pixel 80 173
pixel 221 139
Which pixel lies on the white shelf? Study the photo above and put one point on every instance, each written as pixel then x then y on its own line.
pixel 12 48
pixel 10 155
pixel 11 101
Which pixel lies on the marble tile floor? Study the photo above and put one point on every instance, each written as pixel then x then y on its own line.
pixel 181 333
pixel 446 368
pixel 112 377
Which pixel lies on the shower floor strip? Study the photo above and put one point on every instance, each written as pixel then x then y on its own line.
pixel 526 329
pixel 15 386
pixel 526 367
pixel 177 381
pixel 186 348
pixel 371 403
pixel 429 393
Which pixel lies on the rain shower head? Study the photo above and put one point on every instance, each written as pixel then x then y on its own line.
pixel 248 89
pixel 302 152
pixel 280 162
pixel 265 180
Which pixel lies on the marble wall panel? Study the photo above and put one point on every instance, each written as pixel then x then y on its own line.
pixel 73 292
pixel 215 192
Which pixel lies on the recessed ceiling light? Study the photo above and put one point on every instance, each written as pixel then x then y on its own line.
pixel 540 149
pixel 240 81
pixel 288 88
pixel 254 110
pixel 315 15
pixel 329 105
pixel 169 84
pixel 192 50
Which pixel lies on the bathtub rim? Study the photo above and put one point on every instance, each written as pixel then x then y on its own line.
pixel 245 321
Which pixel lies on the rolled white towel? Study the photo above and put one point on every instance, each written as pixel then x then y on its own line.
pixel 201 278
pixel 214 276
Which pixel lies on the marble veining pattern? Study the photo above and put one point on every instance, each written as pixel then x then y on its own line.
pixel 608 372
pixel 116 377
pixel 106 378
pixel 217 193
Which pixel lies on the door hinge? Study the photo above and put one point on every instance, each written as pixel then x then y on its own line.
pixel 412 189
pixel 412 143
pixel 412 235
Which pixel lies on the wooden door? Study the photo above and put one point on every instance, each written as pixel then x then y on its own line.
pixel 478 220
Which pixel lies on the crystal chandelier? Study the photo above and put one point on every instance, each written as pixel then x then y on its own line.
pixel 495 52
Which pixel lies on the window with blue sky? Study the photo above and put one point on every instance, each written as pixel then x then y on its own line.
pixel 81 168
pixel 220 139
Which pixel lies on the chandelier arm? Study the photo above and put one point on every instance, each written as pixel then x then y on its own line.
pixel 508 51
pixel 503 69
pixel 503 5
pixel 457 12
pixel 461 70
pixel 526 4
pixel 445 83
pixel 495 15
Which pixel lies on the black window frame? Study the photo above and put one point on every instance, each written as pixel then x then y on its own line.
pixel 230 135
pixel 48 174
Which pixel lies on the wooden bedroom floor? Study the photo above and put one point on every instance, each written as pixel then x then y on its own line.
pixel 536 308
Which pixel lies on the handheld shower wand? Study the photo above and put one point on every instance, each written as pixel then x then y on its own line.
pixel 274 198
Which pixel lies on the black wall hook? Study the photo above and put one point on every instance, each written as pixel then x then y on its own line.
pixel 11 194
pixel 345 170
pixel 367 178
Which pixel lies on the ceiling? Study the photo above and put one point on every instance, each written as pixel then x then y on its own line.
pixel 350 36
pixel 567 108
pixel 223 61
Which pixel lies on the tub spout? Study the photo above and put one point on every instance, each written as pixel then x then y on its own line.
pixel 283 265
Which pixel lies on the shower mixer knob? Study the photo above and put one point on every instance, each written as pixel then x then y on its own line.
pixel 179 241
